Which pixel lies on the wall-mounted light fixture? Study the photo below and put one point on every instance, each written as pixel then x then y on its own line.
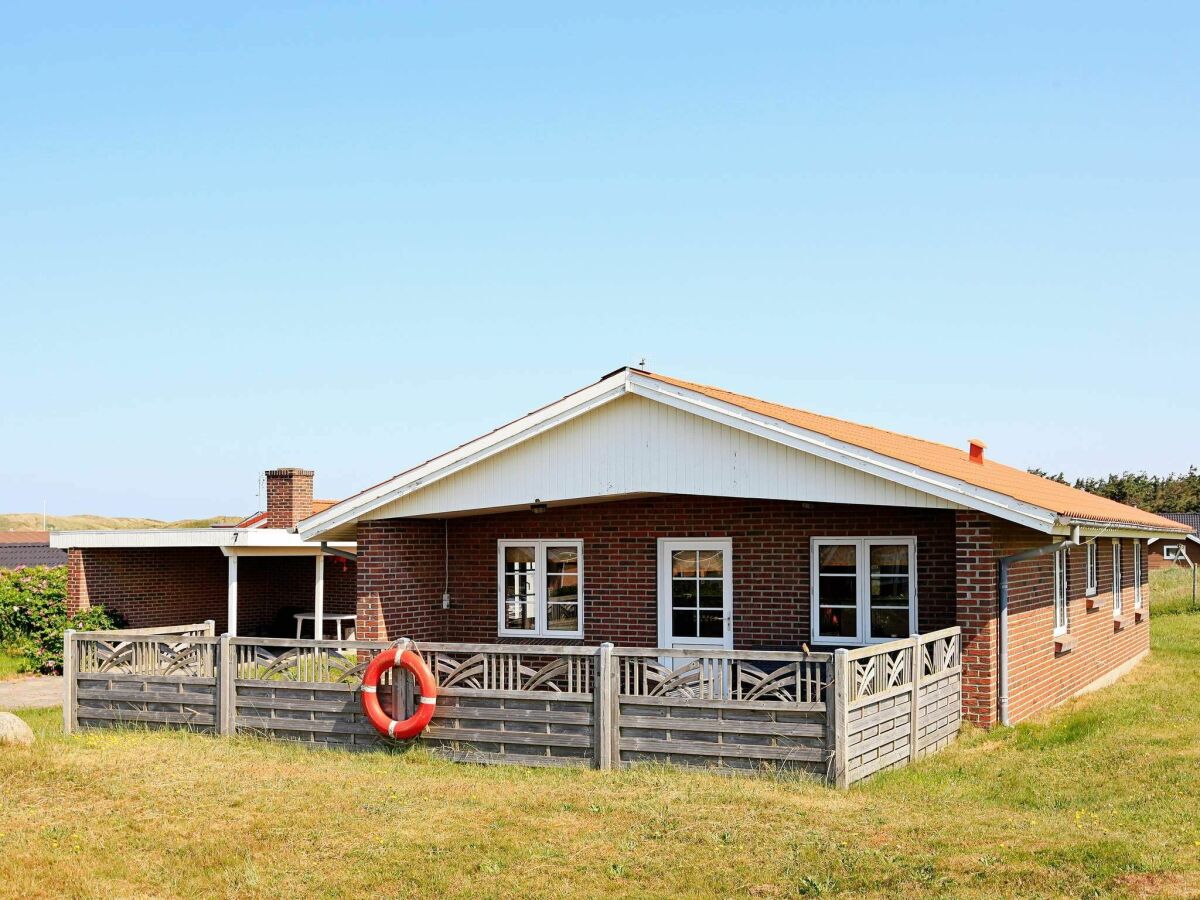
pixel 537 507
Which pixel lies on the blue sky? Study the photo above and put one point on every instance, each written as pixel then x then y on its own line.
pixel 350 237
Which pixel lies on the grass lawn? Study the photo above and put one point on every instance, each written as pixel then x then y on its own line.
pixel 12 665
pixel 1171 591
pixel 1098 798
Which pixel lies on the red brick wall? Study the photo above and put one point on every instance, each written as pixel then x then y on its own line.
pixel 978 612
pixel 1157 561
pixel 180 585
pixel 400 579
pixel 770 565
pixel 1038 677
pixel 151 587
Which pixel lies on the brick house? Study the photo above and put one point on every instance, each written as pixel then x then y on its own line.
pixel 1179 551
pixel 654 512
pixel 252 578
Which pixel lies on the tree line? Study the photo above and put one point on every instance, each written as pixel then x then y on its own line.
pixel 1154 493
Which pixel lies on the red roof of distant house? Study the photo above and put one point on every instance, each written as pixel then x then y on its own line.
pixel 25 537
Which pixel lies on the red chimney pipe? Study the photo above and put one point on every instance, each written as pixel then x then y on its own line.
pixel 977 448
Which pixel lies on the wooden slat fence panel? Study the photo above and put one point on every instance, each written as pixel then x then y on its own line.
pixel 843 716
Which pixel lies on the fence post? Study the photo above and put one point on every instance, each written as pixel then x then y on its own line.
pixel 914 718
pixel 210 628
pixel 70 683
pixel 226 688
pixel 602 699
pixel 841 721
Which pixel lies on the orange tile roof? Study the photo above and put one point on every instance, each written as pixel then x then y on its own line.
pixel 953 462
pixel 322 505
pixel 24 537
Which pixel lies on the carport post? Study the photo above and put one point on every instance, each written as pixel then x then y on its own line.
pixel 319 599
pixel 231 627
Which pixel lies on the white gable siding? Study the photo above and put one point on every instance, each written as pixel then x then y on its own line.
pixel 634 445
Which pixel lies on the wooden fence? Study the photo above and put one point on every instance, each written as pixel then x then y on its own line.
pixel 895 702
pixel 839 716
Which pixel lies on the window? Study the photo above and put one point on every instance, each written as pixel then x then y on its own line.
pixel 698 593
pixel 1062 564
pixel 1090 587
pixel 541 588
pixel 1137 574
pixel 1170 551
pixel 863 589
pixel 1117 578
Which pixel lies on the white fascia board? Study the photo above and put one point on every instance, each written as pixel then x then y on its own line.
pixel 1100 528
pixel 468 454
pixel 851 455
pixel 182 537
pixel 157 537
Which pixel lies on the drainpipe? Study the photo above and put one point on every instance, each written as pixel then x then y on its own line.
pixel 1005 563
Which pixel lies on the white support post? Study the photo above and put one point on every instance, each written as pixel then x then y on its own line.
pixel 231 627
pixel 319 599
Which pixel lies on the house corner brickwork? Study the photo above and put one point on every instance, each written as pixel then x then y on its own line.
pixel 978 615
pixel 401 578
pixel 77 588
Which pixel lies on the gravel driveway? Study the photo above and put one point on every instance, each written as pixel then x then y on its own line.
pixel 45 690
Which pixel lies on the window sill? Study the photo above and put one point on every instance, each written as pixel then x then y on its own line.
pixel 1093 603
pixel 1119 622
pixel 1141 615
pixel 1063 643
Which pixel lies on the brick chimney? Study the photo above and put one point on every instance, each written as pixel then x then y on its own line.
pixel 289 496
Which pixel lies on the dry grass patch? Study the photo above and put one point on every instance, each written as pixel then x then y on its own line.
pixel 1096 799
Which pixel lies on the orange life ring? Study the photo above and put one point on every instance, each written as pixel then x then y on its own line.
pixel 419 720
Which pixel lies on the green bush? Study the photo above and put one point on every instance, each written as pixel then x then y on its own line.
pixel 33 615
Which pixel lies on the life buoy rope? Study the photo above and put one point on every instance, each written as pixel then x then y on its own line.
pixel 400 655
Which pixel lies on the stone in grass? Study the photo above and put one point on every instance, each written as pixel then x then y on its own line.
pixel 13 730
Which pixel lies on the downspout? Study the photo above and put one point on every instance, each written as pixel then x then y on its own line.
pixel 1005 563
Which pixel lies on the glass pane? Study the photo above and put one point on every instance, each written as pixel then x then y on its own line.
pixel 838 559
pixel 683 593
pixel 562 587
pixel 712 563
pixel 518 586
pixel 889 623
pixel 838 589
pixel 683 623
pixel 683 563
pixel 562 559
pixel 518 559
pixel 563 616
pixel 518 615
pixel 838 622
pixel 889 560
pixel 712 624
pixel 712 594
pixel 889 591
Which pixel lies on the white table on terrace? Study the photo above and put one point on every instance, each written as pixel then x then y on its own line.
pixel 301 618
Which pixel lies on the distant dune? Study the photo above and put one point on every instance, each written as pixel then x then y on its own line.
pixel 33 522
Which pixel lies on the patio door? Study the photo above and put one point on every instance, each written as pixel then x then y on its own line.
pixel 695 593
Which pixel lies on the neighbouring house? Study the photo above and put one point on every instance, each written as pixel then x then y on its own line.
pixel 1177 551
pixel 653 512
pixel 252 578
pixel 29 548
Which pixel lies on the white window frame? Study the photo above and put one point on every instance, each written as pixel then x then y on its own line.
pixel 1091 578
pixel 540 628
pixel 1118 602
pixel 1170 551
pixel 1062 569
pixel 1137 574
pixel 666 637
pixel 863 594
